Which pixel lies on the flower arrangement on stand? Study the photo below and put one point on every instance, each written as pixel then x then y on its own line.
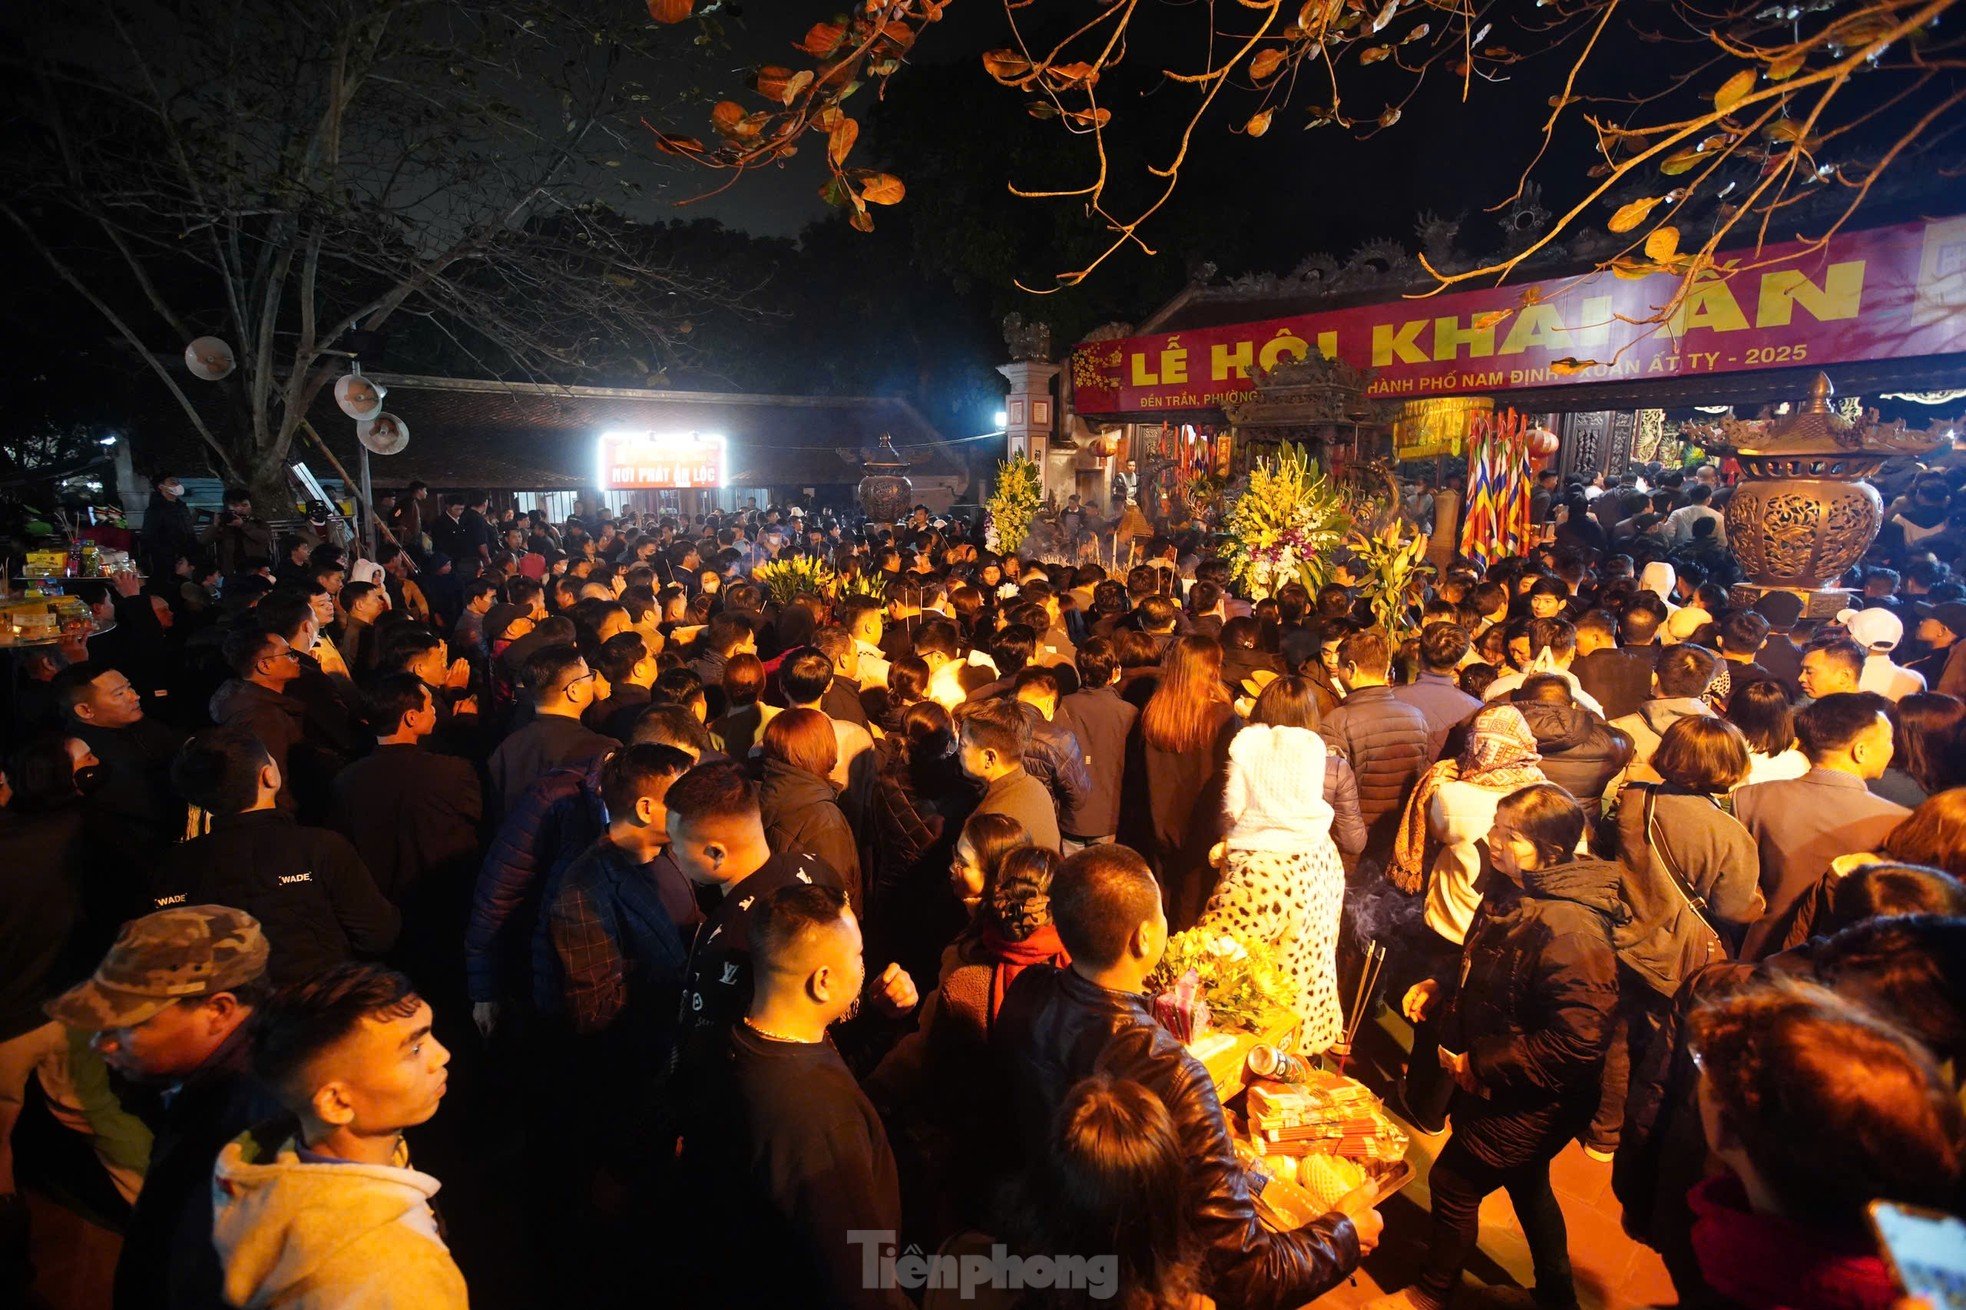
pixel 793 575
pixel 1013 506
pixel 861 582
pixel 1283 527
pixel 1387 562
pixel 1242 983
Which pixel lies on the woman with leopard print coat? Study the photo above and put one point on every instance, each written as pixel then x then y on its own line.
pixel 1282 883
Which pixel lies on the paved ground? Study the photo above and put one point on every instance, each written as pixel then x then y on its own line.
pixel 1613 1272
pixel 75 1258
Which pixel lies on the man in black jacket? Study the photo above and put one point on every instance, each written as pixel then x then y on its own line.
pixel 134 816
pixel 168 1009
pixel 1055 757
pixel 629 666
pixel 1384 740
pixel 1058 1026
pixel 793 1186
pixel 1100 720
pixel 1581 752
pixel 310 891
pixel 562 688
pixel 1615 656
pixel 331 724
pixel 255 701
pixel 239 541
pixel 414 818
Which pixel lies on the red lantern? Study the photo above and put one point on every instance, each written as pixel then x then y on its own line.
pixel 1542 443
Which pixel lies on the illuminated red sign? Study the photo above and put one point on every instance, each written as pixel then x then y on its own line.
pixel 661 461
pixel 1886 293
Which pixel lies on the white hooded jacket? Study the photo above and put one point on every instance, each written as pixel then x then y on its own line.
pixel 1274 792
pixel 292 1233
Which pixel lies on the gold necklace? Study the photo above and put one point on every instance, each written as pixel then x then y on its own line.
pixel 763 1031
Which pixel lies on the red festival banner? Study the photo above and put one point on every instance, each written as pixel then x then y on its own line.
pixel 1886 293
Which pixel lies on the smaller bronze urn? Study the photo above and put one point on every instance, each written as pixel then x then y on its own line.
pixel 885 492
pixel 1803 512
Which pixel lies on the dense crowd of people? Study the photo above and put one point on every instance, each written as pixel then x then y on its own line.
pixel 775 935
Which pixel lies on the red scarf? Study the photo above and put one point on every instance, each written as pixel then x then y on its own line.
pixel 1008 958
pixel 1765 1262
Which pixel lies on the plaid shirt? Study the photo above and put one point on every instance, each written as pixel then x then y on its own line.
pixel 613 924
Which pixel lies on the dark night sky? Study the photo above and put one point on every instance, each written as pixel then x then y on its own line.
pixel 1321 190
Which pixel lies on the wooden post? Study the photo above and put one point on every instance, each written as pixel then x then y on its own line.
pixel 359 490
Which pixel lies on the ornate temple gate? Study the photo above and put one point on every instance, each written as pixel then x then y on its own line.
pixel 1314 402
pixel 1594 442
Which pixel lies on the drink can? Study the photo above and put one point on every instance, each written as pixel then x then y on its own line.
pixel 1278 1065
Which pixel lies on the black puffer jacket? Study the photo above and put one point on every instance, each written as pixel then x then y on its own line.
pixel 1532 1008
pixel 801 813
pixel 1386 742
pixel 918 810
pixel 1581 752
pixel 1056 760
pixel 274 718
pixel 1056 1028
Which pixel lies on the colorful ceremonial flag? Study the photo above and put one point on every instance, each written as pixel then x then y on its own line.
pixel 1498 522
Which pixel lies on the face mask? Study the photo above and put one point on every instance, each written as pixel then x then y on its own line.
pixel 90 778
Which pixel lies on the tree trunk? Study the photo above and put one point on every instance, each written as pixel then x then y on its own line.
pixel 273 491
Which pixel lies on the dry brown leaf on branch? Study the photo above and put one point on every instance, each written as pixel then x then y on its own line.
pixel 1662 244
pixel 1064 75
pixel 839 141
pixel 1417 34
pixel 1571 364
pixel 1259 123
pixel 686 146
pixel 1786 66
pixel 725 115
pixel 772 82
pixel 1007 66
pixel 1734 90
pixel 1631 215
pixel 1390 117
pixel 1372 54
pixel 1682 162
pixel 1491 319
pixel 1265 63
pixel 881 188
pixel 670 11
pixel 1090 117
pixel 822 39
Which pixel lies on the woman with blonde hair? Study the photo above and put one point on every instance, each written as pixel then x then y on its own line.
pixel 1171 791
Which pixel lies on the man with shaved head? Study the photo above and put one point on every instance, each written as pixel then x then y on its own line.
pixel 783 1155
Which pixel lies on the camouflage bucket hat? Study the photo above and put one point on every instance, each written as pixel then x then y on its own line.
pixel 162 958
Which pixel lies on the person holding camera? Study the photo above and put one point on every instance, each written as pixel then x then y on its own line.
pixel 239 542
